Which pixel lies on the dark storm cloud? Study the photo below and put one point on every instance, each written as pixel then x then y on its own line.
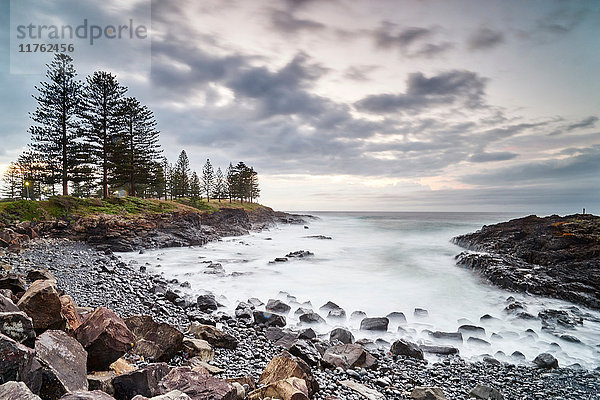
pixel 447 88
pixel 588 122
pixel 485 38
pixel 286 21
pixel 491 157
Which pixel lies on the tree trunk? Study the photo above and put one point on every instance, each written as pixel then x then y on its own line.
pixel 65 182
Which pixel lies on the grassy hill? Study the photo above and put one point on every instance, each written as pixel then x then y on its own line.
pixel 66 206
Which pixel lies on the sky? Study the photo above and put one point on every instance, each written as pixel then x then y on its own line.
pixel 352 104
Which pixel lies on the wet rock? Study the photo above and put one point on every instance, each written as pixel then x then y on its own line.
pixel 329 306
pixel 68 309
pixel 478 342
pixel 7 305
pixel 15 359
pixel 374 324
pixel 12 282
pixel 337 315
pixel 105 337
pixel 366 392
pixel 277 306
pixel 299 254
pixel 212 335
pixel 485 393
pixel 157 341
pixel 427 393
pixel 268 319
pixel 40 274
pixel 554 319
pixel 286 366
pixel 472 330
pixel 102 381
pixel 207 303
pixel 255 302
pixel 143 382
pixel 85 395
pixel 348 356
pixel 197 362
pixel 63 368
pixel 172 395
pixel 357 315
pixel 342 335
pixel 420 313
pixel 41 302
pixel 285 389
pixel 196 385
pixel 199 348
pixel 457 336
pixel 441 350
pixel 546 361
pixel 17 325
pixel 570 338
pixel 16 391
pixel 407 349
pixel 307 333
pixel 306 351
pixel 311 318
pixel 396 317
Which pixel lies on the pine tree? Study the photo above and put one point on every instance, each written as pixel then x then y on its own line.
pixel 208 179
pixel 103 127
pixel 138 151
pixel 219 185
pixel 230 182
pixel 31 183
pixel 195 187
pixel 181 176
pixel 54 138
pixel 167 169
pixel 12 181
pixel 254 190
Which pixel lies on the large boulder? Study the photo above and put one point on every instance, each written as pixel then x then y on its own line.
pixel 342 335
pixel 277 306
pixel 15 359
pixel 348 356
pixel 546 361
pixel 16 391
pixel 84 395
pixel 306 351
pixel 403 348
pixel 199 348
pixel 286 366
pixel 106 337
pixel 207 303
pixel 374 324
pixel 156 341
pixel 268 319
pixel 13 282
pixel 285 389
pixel 485 393
pixel 17 325
pixel 7 305
pixel 140 382
pixel 212 335
pixel 41 302
pixel 311 318
pixel 196 385
pixel 63 364
pixel 427 393
pixel 102 381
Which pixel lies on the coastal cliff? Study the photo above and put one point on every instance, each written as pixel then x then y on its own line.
pixel 552 256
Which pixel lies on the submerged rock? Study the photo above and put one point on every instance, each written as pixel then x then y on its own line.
pixel 546 361
pixel 407 349
pixel 374 324
pixel 342 335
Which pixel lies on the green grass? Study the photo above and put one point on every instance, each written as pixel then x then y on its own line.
pixel 130 207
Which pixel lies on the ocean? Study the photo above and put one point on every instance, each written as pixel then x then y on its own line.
pixel 378 263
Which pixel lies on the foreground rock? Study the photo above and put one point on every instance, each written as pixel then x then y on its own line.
pixel 157 341
pixel 407 349
pixel 63 364
pixel 41 302
pixel 285 389
pixel 347 356
pixel 15 359
pixel 552 256
pixel 212 335
pixel 105 337
pixel 84 395
pixel 286 366
pixel 196 385
pixel 141 382
pixel 17 325
pixel 16 391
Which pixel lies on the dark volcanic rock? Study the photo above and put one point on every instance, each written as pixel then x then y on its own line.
pixel 553 256
pixel 16 391
pixel 12 282
pixel 268 319
pixel 348 356
pixel 105 337
pixel 207 303
pixel 277 306
pixel 441 350
pixel 85 395
pixel 374 324
pixel 306 351
pixel 404 348
pixel 41 302
pixel 212 335
pixel 15 359
pixel 342 335
pixel 143 382
pixel 157 341
pixel 546 360
pixel 197 385
pixel 311 318
pixel 7 305
pixel 17 325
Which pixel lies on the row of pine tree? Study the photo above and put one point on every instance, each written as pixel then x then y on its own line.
pixel 91 139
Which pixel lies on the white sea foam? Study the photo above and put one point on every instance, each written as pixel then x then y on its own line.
pixel 378 263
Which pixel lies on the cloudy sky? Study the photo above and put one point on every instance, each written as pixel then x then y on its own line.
pixel 357 105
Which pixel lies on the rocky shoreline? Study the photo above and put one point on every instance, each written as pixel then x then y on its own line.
pixel 211 355
pixel 553 256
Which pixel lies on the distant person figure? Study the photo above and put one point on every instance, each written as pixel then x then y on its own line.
pixel 584 211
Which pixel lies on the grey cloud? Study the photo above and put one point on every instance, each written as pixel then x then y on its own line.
pixel 447 88
pixel 485 38
pixel 561 21
pixel 285 21
pixel 385 38
pixel 491 157
pixel 360 72
pixel 588 122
